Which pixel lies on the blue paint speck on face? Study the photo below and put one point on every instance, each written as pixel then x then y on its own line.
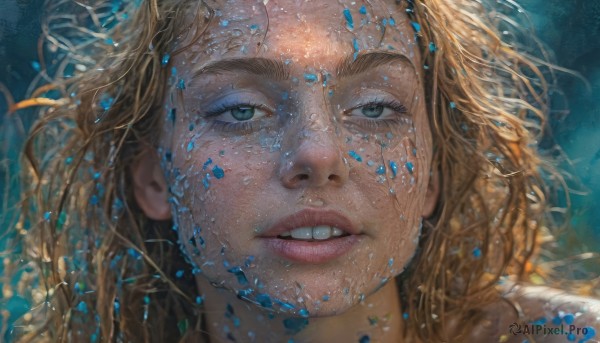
pixel 224 23
pixel 356 47
pixel 394 168
pixel 380 170
pixel 106 102
pixel 384 22
pixel 47 216
pixel 303 312
pixel 173 71
pixel 452 105
pixel 409 166
pixel 181 84
pixel 199 300
pixel 392 22
pixel 556 320
pixel 432 47
pixel 218 172
pixel 206 181
pixel 165 59
pixel 416 26
pixel 190 146
pixel 391 262
pixel 310 77
pixel 477 252
pixel 325 298
pixel 264 300
pixel 365 339
pixel 354 155
pixel 239 273
pixel 207 163
pixel 571 337
pixel 179 274
pixel 362 10
pixel 405 315
pixel 349 20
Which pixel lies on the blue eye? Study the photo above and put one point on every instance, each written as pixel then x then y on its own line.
pixel 372 110
pixel 242 113
pixel 237 116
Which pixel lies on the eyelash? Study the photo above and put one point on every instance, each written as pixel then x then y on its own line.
pixel 377 123
pixel 249 125
pixel 226 126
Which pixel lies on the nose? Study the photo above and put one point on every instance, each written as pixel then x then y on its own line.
pixel 315 160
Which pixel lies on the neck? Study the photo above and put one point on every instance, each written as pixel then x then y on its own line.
pixel 377 317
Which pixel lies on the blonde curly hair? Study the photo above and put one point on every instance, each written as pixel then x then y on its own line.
pixel 95 250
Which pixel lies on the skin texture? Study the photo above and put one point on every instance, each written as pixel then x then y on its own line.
pixel 302 151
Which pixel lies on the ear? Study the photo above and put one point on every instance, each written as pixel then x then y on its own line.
pixel 433 193
pixel 149 186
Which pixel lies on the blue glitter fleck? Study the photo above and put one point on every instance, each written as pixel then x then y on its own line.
pixel 82 307
pixel 209 161
pixel 173 115
pixel 179 274
pixel 218 172
pixel 556 320
pixel 199 300
pixel 477 252
pixel 354 155
pixel 244 293
pixel 384 22
pixel 303 312
pixel 309 77
pixel 569 318
pixel 325 298
pixel 380 170
pixel 294 325
pixel 391 262
pixel 181 84
pixel 452 105
pixel 47 215
pixel 362 10
pixel 365 339
pixel 416 26
pixel 94 200
pixel 249 261
pixel 591 332
pixel 224 23
pixel 36 65
pixel 571 337
pixel 432 47
pixel 165 59
pixel 206 181
pixel 414 151
pixel 264 300
pixel 405 315
pixel 146 300
pixel 394 168
pixel 349 20
pixel 68 160
pixel 239 273
pixel 190 146
pixel 106 102
pixel 410 167
pixel 540 321
pixel 356 48
pixel 392 21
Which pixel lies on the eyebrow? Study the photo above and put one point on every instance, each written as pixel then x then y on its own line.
pixel 277 70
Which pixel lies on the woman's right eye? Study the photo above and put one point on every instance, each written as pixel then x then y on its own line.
pixel 238 112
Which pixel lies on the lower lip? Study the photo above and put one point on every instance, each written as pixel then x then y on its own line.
pixel 311 252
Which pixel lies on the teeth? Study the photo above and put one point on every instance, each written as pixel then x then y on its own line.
pixel 336 232
pixel 302 233
pixel 320 232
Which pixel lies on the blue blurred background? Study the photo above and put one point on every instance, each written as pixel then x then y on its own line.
pixel 570 29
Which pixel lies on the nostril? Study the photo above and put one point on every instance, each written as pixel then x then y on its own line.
pixel 334 177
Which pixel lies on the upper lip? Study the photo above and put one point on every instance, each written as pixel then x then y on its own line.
pixel 311 218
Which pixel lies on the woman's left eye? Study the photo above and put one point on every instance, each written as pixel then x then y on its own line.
pixel 379 109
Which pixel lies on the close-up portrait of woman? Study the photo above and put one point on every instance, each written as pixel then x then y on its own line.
pixel 292 171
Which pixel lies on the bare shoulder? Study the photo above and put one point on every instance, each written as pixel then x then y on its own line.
pixel 544 314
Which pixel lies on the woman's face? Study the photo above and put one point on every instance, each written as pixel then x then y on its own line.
pixel 296 149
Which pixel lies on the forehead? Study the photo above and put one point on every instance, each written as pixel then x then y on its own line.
pixel 312 34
